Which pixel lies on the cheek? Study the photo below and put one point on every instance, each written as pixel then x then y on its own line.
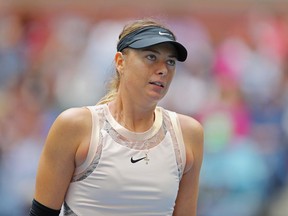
pixel 171 75
pixel 133 77
pixel 136 72
pixel 169 80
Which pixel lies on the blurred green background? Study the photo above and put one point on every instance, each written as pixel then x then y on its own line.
pixel 59 54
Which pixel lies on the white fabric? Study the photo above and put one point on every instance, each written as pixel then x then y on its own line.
pixel 178 133
pixel 112 185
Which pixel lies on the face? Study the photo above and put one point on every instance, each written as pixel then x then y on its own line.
pixel 146 74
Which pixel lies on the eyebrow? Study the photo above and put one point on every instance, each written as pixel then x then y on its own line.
pixel 156 51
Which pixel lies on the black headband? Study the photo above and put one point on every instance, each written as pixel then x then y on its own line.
pixel 149 36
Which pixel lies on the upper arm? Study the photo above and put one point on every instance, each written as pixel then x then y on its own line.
pixel 57 161
pixel 186 202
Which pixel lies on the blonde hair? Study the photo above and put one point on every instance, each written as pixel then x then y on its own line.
pixel 113 85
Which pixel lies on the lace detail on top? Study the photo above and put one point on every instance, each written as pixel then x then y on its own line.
pixel 138 145
pixel 177 151
pixel 92 166
pixel 68 211
pixel 151 142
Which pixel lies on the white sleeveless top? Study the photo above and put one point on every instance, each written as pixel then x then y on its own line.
pixel 128 173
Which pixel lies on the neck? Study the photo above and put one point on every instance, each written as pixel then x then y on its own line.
pixel 132 117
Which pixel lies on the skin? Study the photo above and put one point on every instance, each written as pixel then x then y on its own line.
pixel 67 143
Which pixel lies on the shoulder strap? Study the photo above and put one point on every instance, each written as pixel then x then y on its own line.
pixel 93 142
pixel 179 136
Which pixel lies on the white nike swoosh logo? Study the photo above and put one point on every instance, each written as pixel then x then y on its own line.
pixel 164 33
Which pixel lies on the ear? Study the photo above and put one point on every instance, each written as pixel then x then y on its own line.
pixel 119 62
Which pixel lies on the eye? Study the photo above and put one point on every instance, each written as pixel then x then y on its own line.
pixel 151 57
pixel 171 62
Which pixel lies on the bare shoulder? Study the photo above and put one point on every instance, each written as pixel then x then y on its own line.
pixel 192 132
pixel 187 121
pixel 193 136
pixel 70 127
pixel 191 128
pixel 58 159
pixel 74 117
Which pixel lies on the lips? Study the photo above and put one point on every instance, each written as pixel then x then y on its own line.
pixel 158 83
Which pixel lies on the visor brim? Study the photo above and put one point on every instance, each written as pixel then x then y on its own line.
pixel 146 42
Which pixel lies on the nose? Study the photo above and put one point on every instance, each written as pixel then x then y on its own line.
pixel 162 69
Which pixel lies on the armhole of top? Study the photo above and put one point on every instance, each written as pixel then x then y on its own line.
pixel 93 142
pixel 179 136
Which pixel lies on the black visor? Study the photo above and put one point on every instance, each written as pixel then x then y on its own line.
pixel 149 36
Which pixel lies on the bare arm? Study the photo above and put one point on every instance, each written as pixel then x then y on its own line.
pixel 69 132
pixel 186 202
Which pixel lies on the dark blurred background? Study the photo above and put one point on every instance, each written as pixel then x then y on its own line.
pixel 59 54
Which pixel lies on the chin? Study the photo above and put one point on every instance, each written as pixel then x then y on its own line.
pixel 157 98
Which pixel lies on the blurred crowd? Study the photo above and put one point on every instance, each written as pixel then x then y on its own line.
pixel 236 86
